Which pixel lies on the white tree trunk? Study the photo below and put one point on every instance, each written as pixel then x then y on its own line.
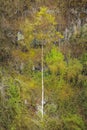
pixel 42 85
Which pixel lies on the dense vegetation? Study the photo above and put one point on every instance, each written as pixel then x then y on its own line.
pixel 61 28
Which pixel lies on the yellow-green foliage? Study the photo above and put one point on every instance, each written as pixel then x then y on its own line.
pixel 73 122
pixel 55 61
pixel 74 68
pixel 42 27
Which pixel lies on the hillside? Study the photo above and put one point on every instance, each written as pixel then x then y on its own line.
pixel 43 65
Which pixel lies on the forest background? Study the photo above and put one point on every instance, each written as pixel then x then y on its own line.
pixel 61 27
